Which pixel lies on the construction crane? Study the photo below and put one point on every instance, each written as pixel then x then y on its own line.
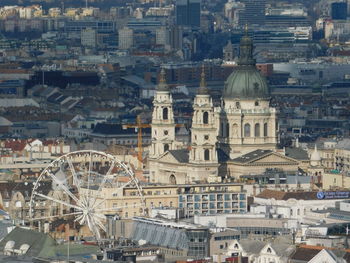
pixel 139 126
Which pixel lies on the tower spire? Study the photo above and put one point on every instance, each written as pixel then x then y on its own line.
pixel 246 29
pixel 203 90
pixel 162 85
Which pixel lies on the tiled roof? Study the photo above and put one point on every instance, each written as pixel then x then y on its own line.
pixel 280 195
pixel 15 145
pixel 304 254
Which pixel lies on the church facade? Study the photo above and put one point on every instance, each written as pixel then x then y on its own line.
pixel 244 122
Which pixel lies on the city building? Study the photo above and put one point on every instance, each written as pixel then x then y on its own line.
pixel 191 241
pixel 126 38
pixel 89 38
pixel 254 12
pixel 339 10
pixel 188 13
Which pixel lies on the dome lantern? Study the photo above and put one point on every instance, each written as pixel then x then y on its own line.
pixel 246 82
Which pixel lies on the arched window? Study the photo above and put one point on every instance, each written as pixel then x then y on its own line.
pixel 269 250
pixel 205 117
pixel 165 113
pixel 172 179
pixel 222 129
pixel 227 130
pixel 265 129
pixel 166 147
pixel 257 130
pixel 247 130
pixel 206 155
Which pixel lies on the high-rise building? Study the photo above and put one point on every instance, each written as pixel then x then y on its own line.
pixel 89 38
pixel 254 12
pixel 188 13
pixel 162 36
pixel 126 38
pixel 175 37
pixel 339 10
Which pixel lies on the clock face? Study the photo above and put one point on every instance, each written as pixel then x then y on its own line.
pixel 320 195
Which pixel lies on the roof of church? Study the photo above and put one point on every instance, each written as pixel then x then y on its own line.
pixel 182 155
pixel 297 153
pixel 246 82
pixel 251 156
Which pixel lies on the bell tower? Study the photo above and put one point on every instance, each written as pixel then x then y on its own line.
pixel 203 160
pixel 203 137
pixel 163 124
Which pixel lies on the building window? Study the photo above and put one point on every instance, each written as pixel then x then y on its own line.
pixel 205 117
pixel 257 130
pixel 247 130
pixel 238 105
pixel 165 113
pixel 256 103
pixel 206 155
pixel 166 132
pixel 265 129
pixel 227 130
pixel 166 147
pixel 222 129
pixel 206 137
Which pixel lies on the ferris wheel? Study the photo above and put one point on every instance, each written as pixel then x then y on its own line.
pixel 79 186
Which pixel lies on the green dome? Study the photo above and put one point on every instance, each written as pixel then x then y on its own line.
pixel 244 83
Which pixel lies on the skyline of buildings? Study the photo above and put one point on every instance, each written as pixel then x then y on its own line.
pixel 175 131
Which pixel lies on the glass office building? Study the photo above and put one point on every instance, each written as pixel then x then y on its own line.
pixel 188 13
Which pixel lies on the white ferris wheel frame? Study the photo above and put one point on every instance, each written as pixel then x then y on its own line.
pixel 86 211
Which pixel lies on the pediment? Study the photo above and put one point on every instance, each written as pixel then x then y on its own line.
pixel 167 158
pixel 274 158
